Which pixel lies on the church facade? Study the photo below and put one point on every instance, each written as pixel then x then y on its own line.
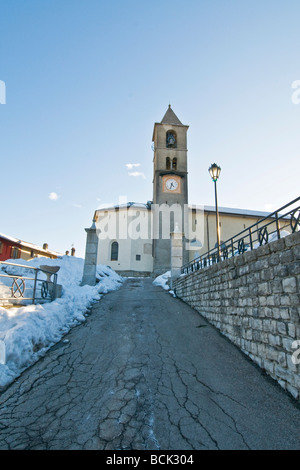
pixel 135 238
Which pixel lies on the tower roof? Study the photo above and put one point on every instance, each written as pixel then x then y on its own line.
pixel 170 117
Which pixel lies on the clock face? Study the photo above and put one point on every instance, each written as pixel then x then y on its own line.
pixel 171 184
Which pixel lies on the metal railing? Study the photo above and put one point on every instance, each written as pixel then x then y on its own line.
pixel 272 227
pixel 21 284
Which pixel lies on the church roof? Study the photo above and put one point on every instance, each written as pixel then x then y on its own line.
pixel 204 208
pixel 126 205
pixel 170 117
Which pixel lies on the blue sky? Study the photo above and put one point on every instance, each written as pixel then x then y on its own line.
pixel 86 80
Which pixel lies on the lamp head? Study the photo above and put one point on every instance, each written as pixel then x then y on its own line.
pixel 214 171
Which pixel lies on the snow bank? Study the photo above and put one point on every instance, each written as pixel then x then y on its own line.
pixel 273 237
pixel 26 333
pixel 163 280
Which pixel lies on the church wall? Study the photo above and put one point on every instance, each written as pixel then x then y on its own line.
pixel 145 261
pixel 139 220
pixel 134 252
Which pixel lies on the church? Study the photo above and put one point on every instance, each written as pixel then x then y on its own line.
pixel 134 239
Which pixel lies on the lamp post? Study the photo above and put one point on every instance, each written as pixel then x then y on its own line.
pixel 214 171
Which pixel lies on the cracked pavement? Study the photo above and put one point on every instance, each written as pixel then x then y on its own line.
pixel 146 372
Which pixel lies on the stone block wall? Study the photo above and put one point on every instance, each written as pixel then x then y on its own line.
pixel 254 300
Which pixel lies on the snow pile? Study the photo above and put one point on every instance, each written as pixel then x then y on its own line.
pixel 273 237
pixel 107 279
pixel 163 280
pixel 26 333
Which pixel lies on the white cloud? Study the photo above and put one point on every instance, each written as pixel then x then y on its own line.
pixel 53 196
pixel 137 173
pixel 130 166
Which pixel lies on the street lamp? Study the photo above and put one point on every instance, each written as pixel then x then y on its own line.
pixel 214 171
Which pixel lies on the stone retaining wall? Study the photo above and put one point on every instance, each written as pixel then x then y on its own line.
pixel 253 299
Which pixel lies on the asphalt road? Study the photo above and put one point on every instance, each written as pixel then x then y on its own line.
pixel 146 372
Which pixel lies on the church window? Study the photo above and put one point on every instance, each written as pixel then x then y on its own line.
pixel 168 163
pixel 171 141
pixel 138 257
pixel 174 164
pixel 114 251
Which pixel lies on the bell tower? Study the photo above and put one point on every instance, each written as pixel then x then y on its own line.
pixel 170 188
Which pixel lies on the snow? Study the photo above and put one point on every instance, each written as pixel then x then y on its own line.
pixel 27 332
pixel 162 280
pixel 273 236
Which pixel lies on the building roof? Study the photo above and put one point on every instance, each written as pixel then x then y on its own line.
pixel 234 211
pixel 126 205
pixel 29 245
pixel 222 210
pixel 170 117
